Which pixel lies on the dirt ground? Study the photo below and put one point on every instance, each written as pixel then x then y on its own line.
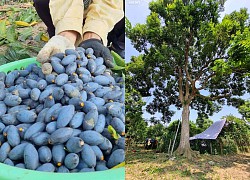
pixel 36 29
pixel 148 165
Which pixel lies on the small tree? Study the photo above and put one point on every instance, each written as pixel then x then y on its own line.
pixel 203 122
pixel 156 131
pixel 236 131
pixel 135 125
pixel 190 59
pixel 244 110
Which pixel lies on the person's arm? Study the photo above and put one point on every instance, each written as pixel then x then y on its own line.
pixel 70 35
pixel 67 17
pixel 101 18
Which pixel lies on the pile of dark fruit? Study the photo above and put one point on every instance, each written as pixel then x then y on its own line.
pixel 70 120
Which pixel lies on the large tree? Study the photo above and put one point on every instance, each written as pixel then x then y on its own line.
pixel 190 59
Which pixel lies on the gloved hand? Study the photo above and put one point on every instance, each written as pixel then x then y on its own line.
pixel 99 50
pixel 55 45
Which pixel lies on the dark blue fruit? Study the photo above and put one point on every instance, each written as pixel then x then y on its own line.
pixel 71 160
pixel 4 151
pixel 65 115
pixel 33 129
pixel 47 167
pixel 117 157
pixel 17 152
pixel 45 154
pixel 3 108
pixel 12 100
pixel 31 159
pixel 34 94
pixel 88 156
pixel 57 93
pixel 58 154
pixel 61 79
pixel 68 59
pixel 77 120
pixel 91 137
pixel 75 145
pixel 60 136
pixel 13 136
pixel 26 116
pixel 57 67
pixel 98 153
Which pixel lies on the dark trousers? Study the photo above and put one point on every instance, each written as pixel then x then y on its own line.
pixel 116 36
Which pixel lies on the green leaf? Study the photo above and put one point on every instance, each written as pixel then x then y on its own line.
pixel 113 132
pixel 25 34
pixel 11 55
pixel 119 165
pixel 28 19
pixel 117 68
pixel 16 45
pixel 118 60
pixel 2 42
pixel 38 37
pixel 11 35
pixel 3 29
pixel 123 76
pixel 2 59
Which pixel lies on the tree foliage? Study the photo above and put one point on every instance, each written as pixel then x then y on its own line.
pixel 135 124
pixel 187 44
pixel 156 131
pixel 236 131
pixel 203 122
pixel 244 110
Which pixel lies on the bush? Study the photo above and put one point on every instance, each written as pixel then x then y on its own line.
pixel 229 145
pixel 236 131
pixel 234 137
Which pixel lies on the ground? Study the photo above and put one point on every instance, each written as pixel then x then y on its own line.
pixel 6 12
pixel 147 165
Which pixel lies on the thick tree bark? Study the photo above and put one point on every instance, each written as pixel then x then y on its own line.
pixel 184 146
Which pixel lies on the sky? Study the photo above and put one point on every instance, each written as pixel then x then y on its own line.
pixel 137 12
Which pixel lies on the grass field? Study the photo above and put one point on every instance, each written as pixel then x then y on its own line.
pixel 147 164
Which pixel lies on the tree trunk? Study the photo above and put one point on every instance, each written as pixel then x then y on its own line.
pixel 184 146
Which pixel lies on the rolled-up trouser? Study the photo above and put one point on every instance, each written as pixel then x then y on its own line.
pixel 116 35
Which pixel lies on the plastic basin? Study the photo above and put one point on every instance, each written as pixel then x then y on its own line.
pixel 13 173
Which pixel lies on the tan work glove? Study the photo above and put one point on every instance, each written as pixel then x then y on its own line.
pixel 55 45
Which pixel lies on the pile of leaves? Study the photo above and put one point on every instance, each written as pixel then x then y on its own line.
pixel 20 36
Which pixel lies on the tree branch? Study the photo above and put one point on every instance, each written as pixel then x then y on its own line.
pixel 187 90
pixel 186 57
pixel 194 90
pixel 206 65
pixel 180 84
pixel 205 82
pixel 214 98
